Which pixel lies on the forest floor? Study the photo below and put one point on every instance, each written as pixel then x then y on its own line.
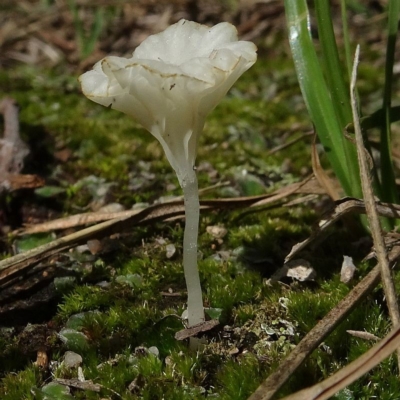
pixel 97 318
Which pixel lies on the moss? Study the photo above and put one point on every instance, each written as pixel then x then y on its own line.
pixel 83 298
pixel 18 386
pixel 244 313
pixel 238 380
pixel 243 286
pixel 11 356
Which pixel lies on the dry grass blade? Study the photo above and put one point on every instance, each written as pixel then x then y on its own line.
pixel 343 207
pixel 16 263
pixel 370 207
pixel 308 186
pixel 305 186
pixel 76 383
pixel 363 335
pixel 95 217
pixel 24 181
pixel 322 177
pixel 75 220
pixel 320 331
pixel 127 220
pixel 290 143
pixel 351 372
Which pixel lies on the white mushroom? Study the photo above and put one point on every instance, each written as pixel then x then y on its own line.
pixel 171 83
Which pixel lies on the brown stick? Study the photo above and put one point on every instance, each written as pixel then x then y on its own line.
pixel 347 375
pixel 370 207
pixel 317 334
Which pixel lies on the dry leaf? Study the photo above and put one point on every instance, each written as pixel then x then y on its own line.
pixel 77 384
pixel 363 335
pixel 322 177
pixel 196 329
pixel 300 270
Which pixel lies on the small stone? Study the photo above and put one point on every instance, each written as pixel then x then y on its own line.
pixel 217 232
pixel 81 376
pixel 348 270
pixel 94 246
pixel 160 240
pixel 111 208
pixel 233 351
pixel 154 350
pixel 72 360
pixel 185 315
pixel 103 284
pixel 170 250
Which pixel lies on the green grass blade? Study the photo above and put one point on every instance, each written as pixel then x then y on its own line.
pixel 348 57
pixel 335 78
pixel 79 34
pixel 338 86
pixel 389 193
pixel 86 43
pixel 346 37
pixel 376 119
pixel 317 97
pixel 95 32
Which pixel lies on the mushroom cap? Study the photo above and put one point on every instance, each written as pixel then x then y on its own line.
pixel 173 80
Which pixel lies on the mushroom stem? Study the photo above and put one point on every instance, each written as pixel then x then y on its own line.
pixel 190 189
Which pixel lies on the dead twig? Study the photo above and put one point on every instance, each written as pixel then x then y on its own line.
pixel 154 213
pixel 77 384
pixel 324 327
pixel 320 331
pixel 11 267
pixel 343 207
pixel 283 146
pixel 363 335
pixel 370 207
pixel 21 261
pixel 73 221
pixel 196 329
pixel 85 385
pixel 353 371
